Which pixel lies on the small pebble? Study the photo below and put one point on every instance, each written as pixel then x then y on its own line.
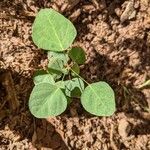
pixel 124 128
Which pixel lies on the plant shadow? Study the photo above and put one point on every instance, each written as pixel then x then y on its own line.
pixel 141 128
pixel 129 98
pixel 21 123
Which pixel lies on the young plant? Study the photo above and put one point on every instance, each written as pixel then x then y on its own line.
pixel 61 82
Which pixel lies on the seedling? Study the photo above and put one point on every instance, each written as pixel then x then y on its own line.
pixel 60 83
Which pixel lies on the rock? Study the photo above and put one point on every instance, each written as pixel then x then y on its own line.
pixel 124 128
pixel 129 12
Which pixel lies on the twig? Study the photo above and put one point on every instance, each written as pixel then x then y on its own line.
pixel 113 145
pixel 3 104
pixel 72 4
pixel 7 81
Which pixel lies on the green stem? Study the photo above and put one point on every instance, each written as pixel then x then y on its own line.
pixel 48 71
pixel 80 77
pixel 63 77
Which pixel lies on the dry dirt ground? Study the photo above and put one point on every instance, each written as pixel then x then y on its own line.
pixel 115 35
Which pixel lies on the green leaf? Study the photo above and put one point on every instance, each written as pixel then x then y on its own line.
pixel 74 87
pixel 42 76
pixel 77 54
pixel 76 92
pixel 47 100
pixel 52 31
pixel 60 84
pixel 56 75
pixel 57 62
pixel 56 66
pixel 76 69
pixel 58 55
pixel 98 99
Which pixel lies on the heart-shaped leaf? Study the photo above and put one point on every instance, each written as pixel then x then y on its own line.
pixel 52 31
pixel 42 77
pixel 98 99
pixel 57 62
pixel 77 54
pixel 58 55
pixel 47 100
